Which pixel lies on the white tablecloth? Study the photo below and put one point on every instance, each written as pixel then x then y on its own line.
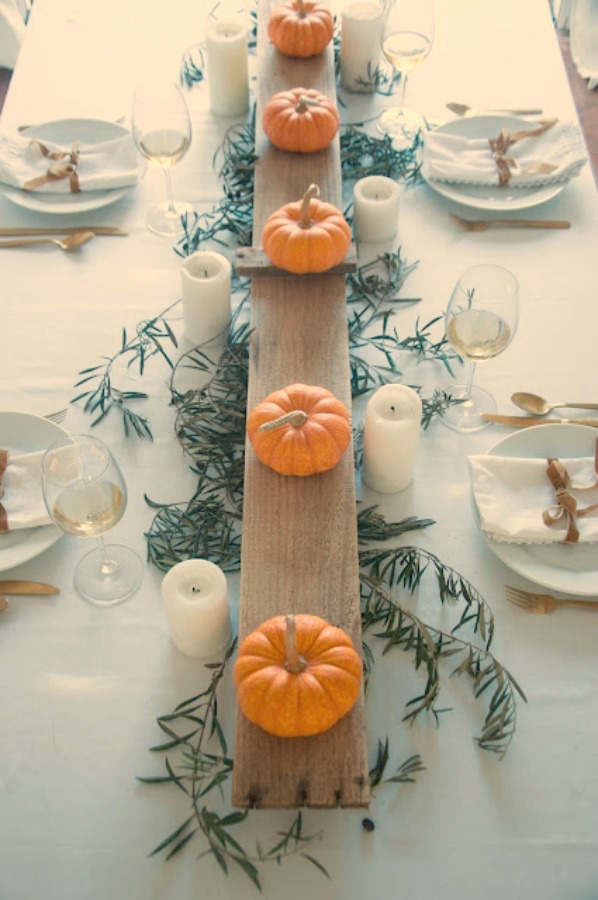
pixel 81 687
pixel 12 32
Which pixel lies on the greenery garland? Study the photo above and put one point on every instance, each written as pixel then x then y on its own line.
pixel 210 426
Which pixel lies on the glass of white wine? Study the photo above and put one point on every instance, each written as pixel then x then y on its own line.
pixel 161 130
pixel 85 494
pixel 407 38
pixel 480 322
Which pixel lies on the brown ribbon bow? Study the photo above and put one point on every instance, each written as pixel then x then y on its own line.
pixel 64 165
pixel 566 505
pixel 506 164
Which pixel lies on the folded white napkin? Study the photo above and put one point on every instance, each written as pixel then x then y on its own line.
pixel 108 164
pixel 513 494
pixel 463 160
pixel 21 498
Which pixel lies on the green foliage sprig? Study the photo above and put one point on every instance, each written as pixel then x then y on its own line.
pixel 364 154
pixel 197 770
pixel 103 397
pixel 210 426
pixel 383 570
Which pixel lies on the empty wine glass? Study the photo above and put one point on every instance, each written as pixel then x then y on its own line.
pixel 480 322
pixel 161 130
pixel 85 495
pixel 407 38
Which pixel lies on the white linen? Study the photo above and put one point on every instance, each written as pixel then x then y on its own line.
pixel 21 491
pixel 81 687
pixel 108 164
pixel 462 160
pixel 12 32
pixel 512 494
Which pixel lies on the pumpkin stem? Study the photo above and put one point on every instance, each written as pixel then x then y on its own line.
pixel 301 10
pixel 296 417
pixel 305 102
pixel 304 219
pixel 294 661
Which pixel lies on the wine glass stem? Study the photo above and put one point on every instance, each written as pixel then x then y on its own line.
pixel 472 368
pixel 171 208
pixel 108 565
pixel 402 90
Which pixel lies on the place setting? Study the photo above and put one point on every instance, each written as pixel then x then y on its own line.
pixel 502 163
pixel 53 483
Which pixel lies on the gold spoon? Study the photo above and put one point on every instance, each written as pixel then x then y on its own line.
pixel 461 109
pixel 3 604
pixel 72 242
pixel 531 403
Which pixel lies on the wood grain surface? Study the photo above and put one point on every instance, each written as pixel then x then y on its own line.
pixel 299 552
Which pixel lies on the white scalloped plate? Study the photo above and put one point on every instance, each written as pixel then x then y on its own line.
pixel 568 568
pixel 490 197
pixel 22 433
pixel 67 131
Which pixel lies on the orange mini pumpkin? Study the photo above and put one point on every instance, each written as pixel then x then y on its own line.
pixel 301 27
pixel 297 675
pixel 306 236
pixel 300 430
pixel 300 120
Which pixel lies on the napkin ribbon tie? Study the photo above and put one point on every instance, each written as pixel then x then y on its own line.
pixel 565 506
pixel 64 165
pixel 506 164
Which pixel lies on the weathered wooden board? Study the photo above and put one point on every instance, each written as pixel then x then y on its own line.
pixel 299 550
pixel 251 261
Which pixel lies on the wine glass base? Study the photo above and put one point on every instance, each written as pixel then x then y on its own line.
pixel 108 589
pixel 401 126
pixel 465 416
pixel 161 220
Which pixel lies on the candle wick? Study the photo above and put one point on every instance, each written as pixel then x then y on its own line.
pixel 392 409
pixel 205 273
pixel 195 590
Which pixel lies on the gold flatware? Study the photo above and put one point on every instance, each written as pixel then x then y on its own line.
pixel 484 224
pixel 543 603
pixel 461 109
pixel 3 604
pixel 75 229
pixel 70 243
pixel 526 421
pixel 538 406
pixel 28 588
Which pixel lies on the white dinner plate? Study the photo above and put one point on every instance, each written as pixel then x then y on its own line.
pixel 67 131
pixel 491 197
pixel 569 568
pixel 22 433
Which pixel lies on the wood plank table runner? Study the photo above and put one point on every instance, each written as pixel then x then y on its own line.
pixel 299 552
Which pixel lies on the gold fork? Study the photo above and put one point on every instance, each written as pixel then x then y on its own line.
pixel 542 603
pixel 56 417
pixel 483 224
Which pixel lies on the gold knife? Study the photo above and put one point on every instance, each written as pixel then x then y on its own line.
pixel 29 588
pixel 526 421
pixel 97 229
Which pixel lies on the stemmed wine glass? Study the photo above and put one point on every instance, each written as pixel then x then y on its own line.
pixel 480 322
pixel 407 38
pixel 161 130
pixel 85 494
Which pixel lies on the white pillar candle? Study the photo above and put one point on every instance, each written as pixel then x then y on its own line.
pixel 206 292
pixel 195 599
pixel 391 434
pixel 375 209
pixel 228 77
pixel 361 36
